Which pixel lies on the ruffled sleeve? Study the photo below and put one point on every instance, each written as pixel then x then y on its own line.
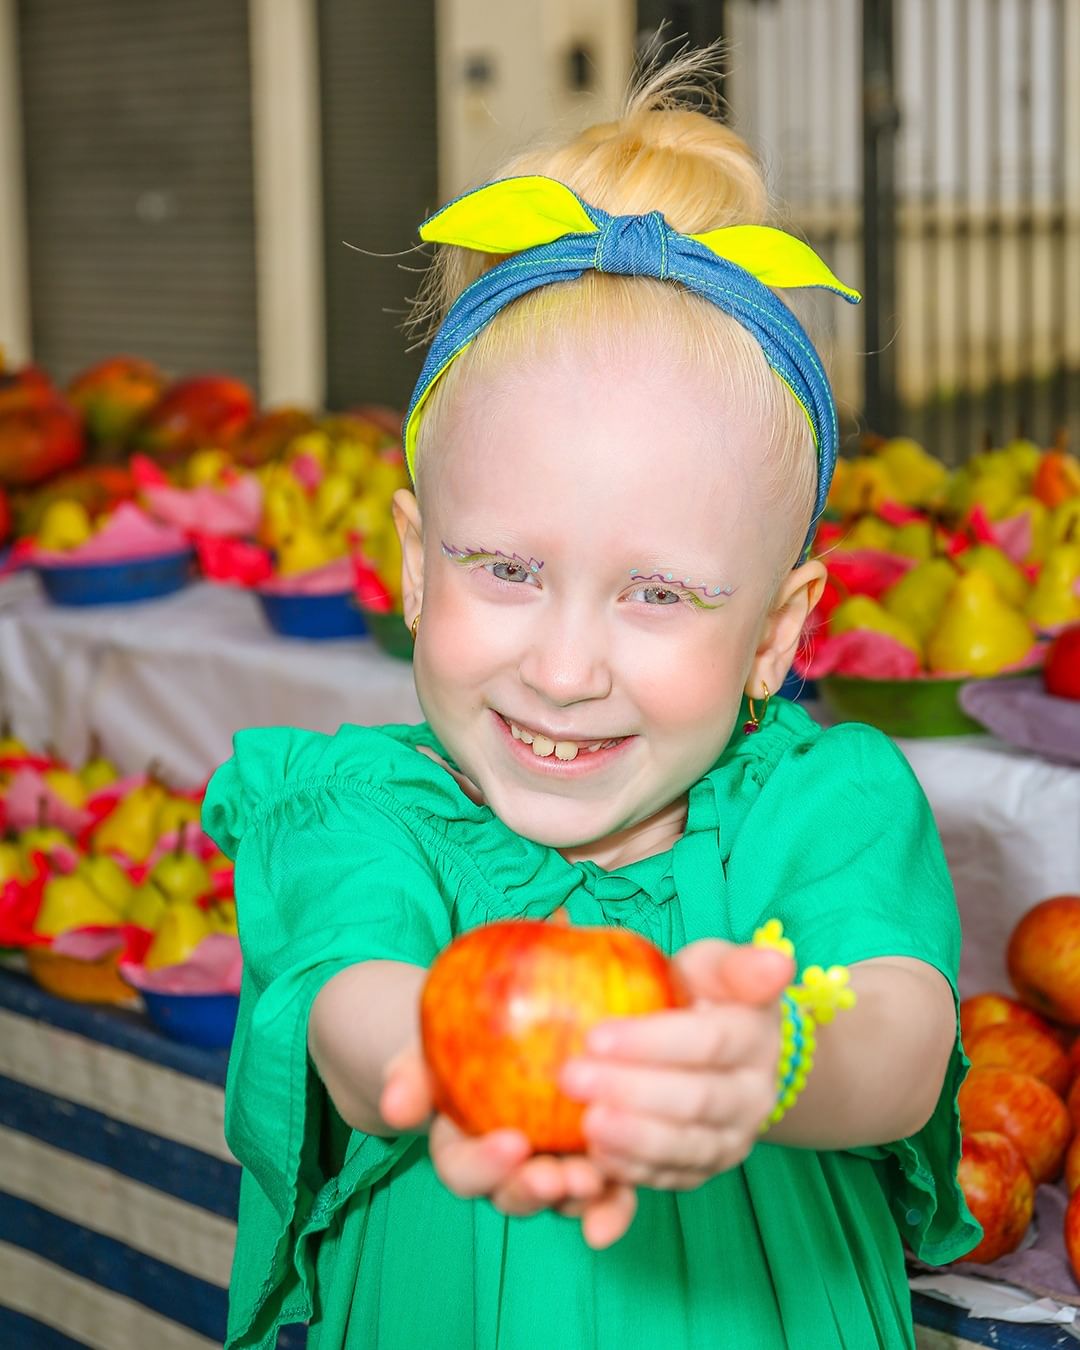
pixel 328 874
pixel 841 846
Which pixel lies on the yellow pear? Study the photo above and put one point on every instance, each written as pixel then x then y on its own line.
pixel 183 926
pixel 68 786
pixel 868 532
pixel 65 524
pixel 71 902
pixel 1025 457
pixel 98 773
pixel 916 476
pixel 131 827
pixel 860 611
pixel 978 632
pixel 1065 522
pixel 176 813
pixel 353 458
pixel 146 906
pixel 1039 517
pixel 915 539
pixel 919 596
pixel 205 467
pixel 313 443
pixel 302 551
pixel 332 496
pixel 43 839
pixel 108 879
pixel 385 477
pixel 180 875
pixel 12 862
pixel 223 917
pixel 1054 600
pixel 1006 576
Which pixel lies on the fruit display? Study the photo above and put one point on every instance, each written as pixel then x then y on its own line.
pixel 506 1005
pixel 940 577
pixel 1020 1103
pixel 97 869
pixel 290 503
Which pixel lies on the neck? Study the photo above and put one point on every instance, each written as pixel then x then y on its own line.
pixel 656 834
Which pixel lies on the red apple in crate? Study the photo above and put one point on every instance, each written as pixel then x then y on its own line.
pixel 38 440
pixel 1072 1234
pixel 1023 1107
pixel 988 1010
pixel 1061 671
pixel 999 1190
pixel 1072 1103
pixel 194 414
pixel 113 395
pixel 1072 1164
pixel 1043 958
pixel 28 387
pixel 506 1005
pixel 1022 1049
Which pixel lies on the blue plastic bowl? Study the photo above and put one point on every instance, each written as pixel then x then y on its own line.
pixel 207 1020
pixel 116 583
pixel 314 616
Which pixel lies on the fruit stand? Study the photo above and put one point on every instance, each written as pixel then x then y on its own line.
pixel 221 567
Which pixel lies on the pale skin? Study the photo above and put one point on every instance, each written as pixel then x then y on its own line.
pixel 673 1099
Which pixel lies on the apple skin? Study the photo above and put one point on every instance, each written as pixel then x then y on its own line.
pixel 1072 1234
pixel 989 1010
pixel 1024 1050
pixel 1072 1165
pixel 1061 672
pixel 506 1005
pixel 999 1191
pixel 1043 958
pixel 1022 1107
pixel 1072 1103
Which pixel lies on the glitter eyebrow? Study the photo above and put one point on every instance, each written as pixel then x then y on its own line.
pixel 465 555
pixel 686 583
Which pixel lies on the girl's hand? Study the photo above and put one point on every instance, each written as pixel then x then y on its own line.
pixel 677 1097
pixel 501 1166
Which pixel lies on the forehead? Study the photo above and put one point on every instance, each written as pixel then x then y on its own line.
pixel 644 445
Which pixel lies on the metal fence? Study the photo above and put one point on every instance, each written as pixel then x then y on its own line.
pixel 931 150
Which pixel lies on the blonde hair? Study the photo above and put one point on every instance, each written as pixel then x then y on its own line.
pixel 661 154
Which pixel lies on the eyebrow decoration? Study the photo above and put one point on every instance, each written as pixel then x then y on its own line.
pixel 465 555
pixel 687 584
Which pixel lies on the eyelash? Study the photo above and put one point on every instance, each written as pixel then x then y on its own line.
pixel 488 561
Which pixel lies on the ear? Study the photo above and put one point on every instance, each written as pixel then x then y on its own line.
pixel 409 526
pixel 797 596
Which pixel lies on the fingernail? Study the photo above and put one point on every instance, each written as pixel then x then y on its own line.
pixel 601 1041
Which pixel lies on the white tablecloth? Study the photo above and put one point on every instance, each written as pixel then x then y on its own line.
pixel 173 680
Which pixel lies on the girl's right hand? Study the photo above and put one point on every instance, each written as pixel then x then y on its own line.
pixel 501 1166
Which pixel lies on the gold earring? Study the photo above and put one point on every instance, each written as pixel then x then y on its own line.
pixel 415 625
pixel 754 724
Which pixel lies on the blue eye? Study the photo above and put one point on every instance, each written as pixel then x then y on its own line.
pixel 660 595
pixel 510 571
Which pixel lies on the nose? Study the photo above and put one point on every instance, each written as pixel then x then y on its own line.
pixel 567 659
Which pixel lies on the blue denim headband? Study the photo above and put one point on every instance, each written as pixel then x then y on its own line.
pixel 642 245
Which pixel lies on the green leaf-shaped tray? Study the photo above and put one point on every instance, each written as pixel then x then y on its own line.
pixel 924 707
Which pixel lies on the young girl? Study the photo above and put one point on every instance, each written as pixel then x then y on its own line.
pixel 619 445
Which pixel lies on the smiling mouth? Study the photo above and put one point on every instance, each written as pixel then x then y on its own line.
pixel 542 746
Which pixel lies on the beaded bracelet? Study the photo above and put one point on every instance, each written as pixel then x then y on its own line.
pixel 815 1000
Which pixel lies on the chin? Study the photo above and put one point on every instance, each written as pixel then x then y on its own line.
pixel 553 828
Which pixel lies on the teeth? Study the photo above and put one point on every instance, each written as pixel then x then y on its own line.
pixel 564 750
pixel 542 746
pixel 526 736
pixel 515 732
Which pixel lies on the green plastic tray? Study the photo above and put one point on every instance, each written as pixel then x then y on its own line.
pixel 901 707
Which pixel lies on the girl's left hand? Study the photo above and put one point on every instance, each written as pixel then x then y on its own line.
pixel 676 1097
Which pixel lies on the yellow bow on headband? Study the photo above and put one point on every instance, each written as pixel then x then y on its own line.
pixel 514 214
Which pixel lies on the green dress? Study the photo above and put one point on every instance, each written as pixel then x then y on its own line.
pixel 357 847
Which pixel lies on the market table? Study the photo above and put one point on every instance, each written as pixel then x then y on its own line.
pixel 173 680
pixel 118 1193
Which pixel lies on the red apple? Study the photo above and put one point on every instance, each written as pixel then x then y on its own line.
pixel 194 414
pixel 1061 671
pixel 1072 1164
pixel 1023 1107
pixel 1022 1049
pixel 999 1190
pixel 1072 1234
pixel 989 1010
pixel 113 395
pixel 1043 958
pixel 506 1005
pixel 37 440
pixel 1072 1103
